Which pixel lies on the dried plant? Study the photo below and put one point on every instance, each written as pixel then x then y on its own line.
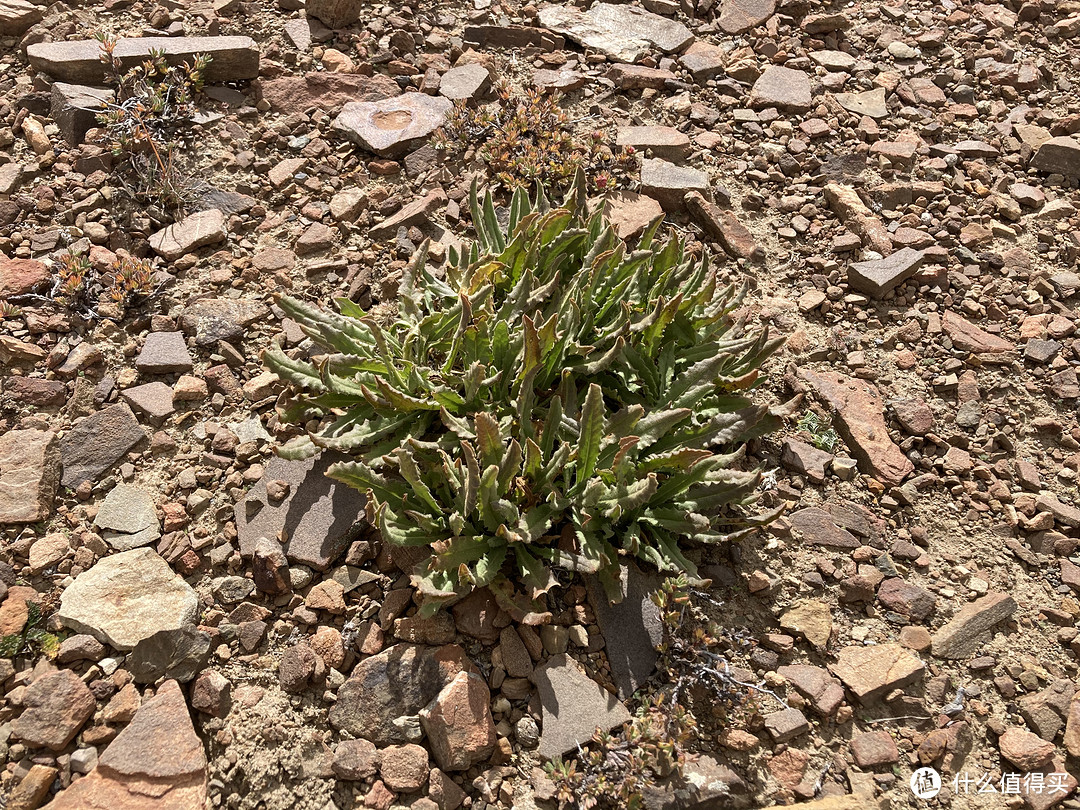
pixel 154 105
pixel 525 140
pixel 80 287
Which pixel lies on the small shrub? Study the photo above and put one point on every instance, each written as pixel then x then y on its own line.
pixel 556 399
pixel 154 104
pixel 528 139
pixel 33 641
pixel 9 310
pixel 80 288
pixel 822 434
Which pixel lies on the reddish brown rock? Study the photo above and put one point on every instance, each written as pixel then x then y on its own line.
pixel 21 276
pixel 1025 750
pixel 325 91
pixel 970 627
pixel 156 761
pixel 871 672
pixel 872 749
pixel 860 220
pixel 29 475
pixel 54 709
pixel 860 420
pixel 458 723
pixel 970 338
pixel 724 227
pixel 404 768
pixel 815 684
pixel 34 787
pixel 737 16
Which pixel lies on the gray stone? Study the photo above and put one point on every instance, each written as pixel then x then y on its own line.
pixel 465 82
pixel 573 706
pixel 336 13
pixel 16 16
pixel 665 142
pixel 783 88
pixel 878 277
pixel 786 724
pixel 127 597
pixel 1059 155
pixel 153 400
pixel 970 628
pixel 214 319
pixel 29 473
pixel 164 353
pixel 96 443
pixel 668 184
pixel 1041 351
pixel 872 672
pixel 737 16
pixel 319 517
pixel 75 107
pixel 576 25
pixel 394 126
pixel 398 682
pixel 662 32
pixel 79 61
pixel 192 232
pixel 632 628
pixel 128 518
pixel 869 102
pixel 179 654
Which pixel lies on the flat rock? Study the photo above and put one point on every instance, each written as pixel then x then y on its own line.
pixel 397 683
pixel 319 516
pixel 179 654
pixel 860 420
pixel 868 102
pixel 824 692
pixel 810 619
pixel 29 474
pixel 664 33
pixel 96 443
pixel 632 628
pixel 723 226
pixel 665 142
pixel 153 400
pixel 74 108
pixel 880 276
pixel 16 16
pixel 458 723
pixel 467 82
pixel 128 518
pixel 392 127
pixel 970 338
pixel 192 232
pixel 669 184
pixel 157 761
pixel 573 706
pixel 814 525
pixel 860 220
pixel 738 16
pixel 580 27
pixel 55 707
pixel 79 61
pixel 336 13
pixel 873 671
pixel 127 597
pixel 164 353
pixel 969 629
pixel 783 88
pixel 1060 155
pixel 629 212
pixel 415 213
pixel 325 91
pixel 21 276
pixel 214 319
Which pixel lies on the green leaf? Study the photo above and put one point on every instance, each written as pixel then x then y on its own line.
pixel 591 432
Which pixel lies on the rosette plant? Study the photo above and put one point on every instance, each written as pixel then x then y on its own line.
pixel 552 398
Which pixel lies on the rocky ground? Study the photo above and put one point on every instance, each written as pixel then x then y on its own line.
pixel 898 182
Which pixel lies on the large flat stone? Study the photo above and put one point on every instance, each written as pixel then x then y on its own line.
pixel 74 108
pixel 970 628
pixel 664 33
pixel 737 16
pixel 872 672
pixel 127 518
pixel 319 517
pixel 29 473
pixel 394 126
pixel 860 420
pixel 632 627
pixel 156 761
pixel 878 277
pixel 18 15
pixel 79 61
pixel 325 91
pixel 1060 155
pixel 21 276
pixel 573 705
pixel 192 232
pixel 783 88
pixel 97 442
pixel 971 338
pixel 579 27
pixel 54 709
pixel 669 183
pixel 127 597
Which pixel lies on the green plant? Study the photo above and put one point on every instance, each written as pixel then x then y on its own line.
pixel 34 640
pixel 822 434
pixel 154 103
pixel 9 310
pixel 79 286
pixel 527 139
pixel 554 400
